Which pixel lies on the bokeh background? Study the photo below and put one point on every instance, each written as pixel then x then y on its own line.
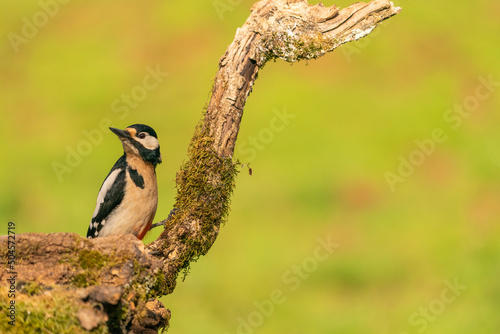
pixel 355 114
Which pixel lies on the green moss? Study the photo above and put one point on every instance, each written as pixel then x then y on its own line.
pixel 83 280
pixel 117 317
pixel 91 259
pixel 159 286
pixel 87 266
pixel 147 285
pixel 30 288
pixel 91 262
pixel 204 187
pixel 50 312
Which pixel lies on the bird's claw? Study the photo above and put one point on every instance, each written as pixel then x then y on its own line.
pixel 164 221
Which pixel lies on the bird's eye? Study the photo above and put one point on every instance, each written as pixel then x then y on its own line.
pixel 142 135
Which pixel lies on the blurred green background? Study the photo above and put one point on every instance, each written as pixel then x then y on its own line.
pixel 356 113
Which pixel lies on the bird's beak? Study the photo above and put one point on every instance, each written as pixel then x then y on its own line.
pixel 122 134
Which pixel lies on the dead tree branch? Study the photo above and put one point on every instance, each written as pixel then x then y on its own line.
pixel 113 281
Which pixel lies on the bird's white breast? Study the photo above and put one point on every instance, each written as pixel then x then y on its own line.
pixel 138 206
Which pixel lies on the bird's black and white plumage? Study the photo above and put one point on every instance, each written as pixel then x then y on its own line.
pixel 128 196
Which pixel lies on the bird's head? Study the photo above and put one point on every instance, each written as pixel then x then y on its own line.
pixel 140 140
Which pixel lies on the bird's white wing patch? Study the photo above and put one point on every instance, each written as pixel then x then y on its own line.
pixel 105 188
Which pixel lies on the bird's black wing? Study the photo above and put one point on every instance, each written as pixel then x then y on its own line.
pixel 110 196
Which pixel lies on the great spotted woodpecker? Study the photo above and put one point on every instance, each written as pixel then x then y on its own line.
pixel 128 197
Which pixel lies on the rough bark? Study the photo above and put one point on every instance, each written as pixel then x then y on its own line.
pixel 113 282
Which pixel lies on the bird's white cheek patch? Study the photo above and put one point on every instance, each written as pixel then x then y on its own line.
pixel 150 142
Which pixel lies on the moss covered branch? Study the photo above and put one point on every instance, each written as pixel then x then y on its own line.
pixel 68 284
pixel 284 29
